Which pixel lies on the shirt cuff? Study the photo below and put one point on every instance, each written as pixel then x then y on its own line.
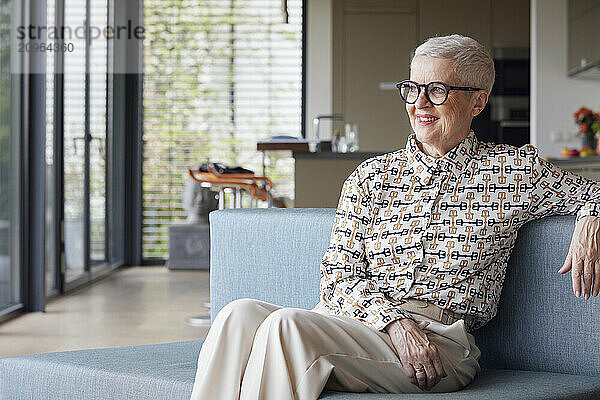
pixel 590 209
pixel 390 315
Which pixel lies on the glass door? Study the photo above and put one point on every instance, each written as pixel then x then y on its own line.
pixel 52 232
pixel 74 145
pixel 11 295
pixel 98 68
pixel 84 143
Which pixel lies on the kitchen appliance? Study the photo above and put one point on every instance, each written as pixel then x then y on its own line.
pixel 506 119
pixel 512 72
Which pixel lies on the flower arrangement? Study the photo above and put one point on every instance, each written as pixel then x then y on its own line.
pixel 588 121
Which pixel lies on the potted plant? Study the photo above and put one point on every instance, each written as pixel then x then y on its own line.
pixel 589 126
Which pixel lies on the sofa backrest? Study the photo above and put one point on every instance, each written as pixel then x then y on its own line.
pixel 274 254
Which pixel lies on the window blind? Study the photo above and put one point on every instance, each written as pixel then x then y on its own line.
pixel 219 75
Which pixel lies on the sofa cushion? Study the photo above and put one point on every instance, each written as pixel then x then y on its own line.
pixel 166 371
pixel 500 384
pixel 160 371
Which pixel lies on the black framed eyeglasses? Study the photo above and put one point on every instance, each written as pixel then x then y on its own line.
pixel 435 92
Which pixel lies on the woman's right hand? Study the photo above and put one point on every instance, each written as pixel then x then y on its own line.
pixel 419 357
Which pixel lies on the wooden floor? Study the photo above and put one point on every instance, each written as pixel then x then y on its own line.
pixel 139 305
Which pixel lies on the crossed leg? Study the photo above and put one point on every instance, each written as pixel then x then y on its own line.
pixel 257 350
pixel 225 351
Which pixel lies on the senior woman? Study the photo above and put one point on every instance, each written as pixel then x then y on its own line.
pixel 417 257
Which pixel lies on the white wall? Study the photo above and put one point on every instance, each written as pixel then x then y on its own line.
pixel 318 61
pixel 554 96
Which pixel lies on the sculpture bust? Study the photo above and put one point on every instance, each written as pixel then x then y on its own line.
pixel 198 201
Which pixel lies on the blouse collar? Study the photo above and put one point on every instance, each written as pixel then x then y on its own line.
pixel 454 161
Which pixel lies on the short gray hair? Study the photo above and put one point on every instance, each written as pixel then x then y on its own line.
pixel 473 64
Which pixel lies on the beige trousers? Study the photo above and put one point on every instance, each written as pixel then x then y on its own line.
pixel 258 350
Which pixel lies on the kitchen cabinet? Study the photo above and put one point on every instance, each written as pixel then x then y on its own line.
pixel 510 23
pixel 579 7
pixel 373 41
pixel 583 35
pixel 494 23
pixel 467 17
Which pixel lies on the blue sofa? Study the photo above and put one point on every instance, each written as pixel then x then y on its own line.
pixel 543 344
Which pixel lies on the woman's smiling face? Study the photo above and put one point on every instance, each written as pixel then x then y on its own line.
pixel 441 128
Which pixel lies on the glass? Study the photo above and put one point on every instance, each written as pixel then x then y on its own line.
pixel 74 145
pixel 98 106
pixel 85 88
pixel 435 92
pixel 10 293
pixel 352 137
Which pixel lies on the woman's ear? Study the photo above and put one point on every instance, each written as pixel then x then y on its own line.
pixel 481 99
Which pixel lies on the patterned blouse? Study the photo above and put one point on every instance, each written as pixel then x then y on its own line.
pixel 440 230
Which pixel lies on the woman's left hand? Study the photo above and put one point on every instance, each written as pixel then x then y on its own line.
pixel 583 259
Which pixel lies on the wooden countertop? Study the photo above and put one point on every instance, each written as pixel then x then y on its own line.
pixel 358 155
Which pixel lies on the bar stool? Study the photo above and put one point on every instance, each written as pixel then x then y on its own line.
pixel 259 187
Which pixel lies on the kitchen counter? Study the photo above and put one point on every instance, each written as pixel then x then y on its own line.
pixel 575 160
pixel 328 155
pixel 588 167
pixel 363 155
pixel 319 176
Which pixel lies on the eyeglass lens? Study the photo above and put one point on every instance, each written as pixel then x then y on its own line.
pixel 436 92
